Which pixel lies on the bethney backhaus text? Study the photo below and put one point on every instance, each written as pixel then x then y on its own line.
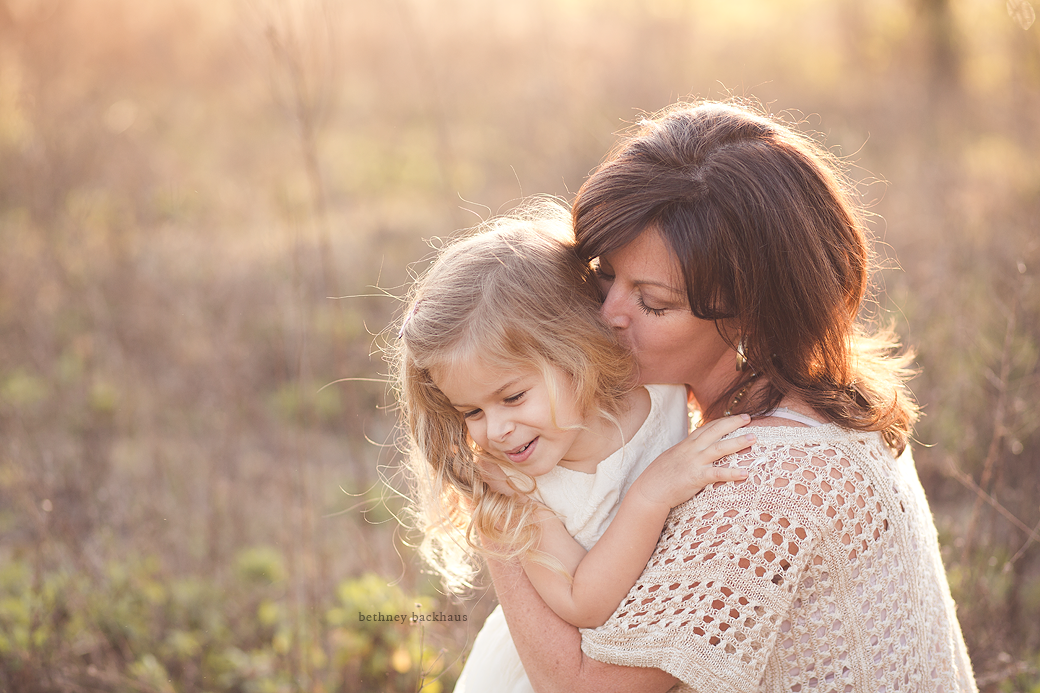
pixel 437 616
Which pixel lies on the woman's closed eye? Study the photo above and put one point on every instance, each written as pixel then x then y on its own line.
pixel 472 413
pixel 650 310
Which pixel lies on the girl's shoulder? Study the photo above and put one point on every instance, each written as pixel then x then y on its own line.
pixel 669 411
pixel 649 405
pixel 638 405
pixel 667 395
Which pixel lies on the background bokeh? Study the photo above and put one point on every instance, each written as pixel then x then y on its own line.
pixel 207 208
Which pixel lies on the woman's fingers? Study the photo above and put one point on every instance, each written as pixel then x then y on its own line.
pixel 713 430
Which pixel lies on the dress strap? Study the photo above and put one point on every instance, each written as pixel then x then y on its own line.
pixel 785 413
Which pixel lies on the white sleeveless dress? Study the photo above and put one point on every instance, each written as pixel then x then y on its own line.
pixel 587 502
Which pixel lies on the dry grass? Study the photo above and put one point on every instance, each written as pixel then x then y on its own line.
pixel 183 186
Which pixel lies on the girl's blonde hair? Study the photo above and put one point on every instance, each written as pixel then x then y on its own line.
pixel 513 294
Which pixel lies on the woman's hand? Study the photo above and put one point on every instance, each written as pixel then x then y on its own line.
pixel 680 472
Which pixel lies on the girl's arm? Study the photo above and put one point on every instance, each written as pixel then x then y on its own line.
pixel 550 648
pixel 603 576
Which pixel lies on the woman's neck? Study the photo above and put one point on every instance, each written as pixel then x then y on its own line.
pixel 710 387
pixel 722 377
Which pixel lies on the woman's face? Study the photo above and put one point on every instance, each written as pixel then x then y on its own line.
pixel 645 301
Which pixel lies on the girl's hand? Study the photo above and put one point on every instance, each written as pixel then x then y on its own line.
pixel 495 477
pixel 680 472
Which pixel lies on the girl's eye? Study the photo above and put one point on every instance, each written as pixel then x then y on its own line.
pixel 648 310
pixel 516 398
pixel 470 414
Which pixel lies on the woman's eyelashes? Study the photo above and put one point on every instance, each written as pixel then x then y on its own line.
pixel 606 279
pixel 649 310
pixel 515 398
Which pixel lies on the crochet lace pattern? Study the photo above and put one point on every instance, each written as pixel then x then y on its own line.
pixel 819 573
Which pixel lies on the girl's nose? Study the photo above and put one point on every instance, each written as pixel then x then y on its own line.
pixel 499 427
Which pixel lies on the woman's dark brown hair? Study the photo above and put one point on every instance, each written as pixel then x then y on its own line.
pixel 768 237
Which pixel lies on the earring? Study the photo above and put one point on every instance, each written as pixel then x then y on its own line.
pixel 741 358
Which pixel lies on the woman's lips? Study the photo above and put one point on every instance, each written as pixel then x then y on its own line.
pixel 522 453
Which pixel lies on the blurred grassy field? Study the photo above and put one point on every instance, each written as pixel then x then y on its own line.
pixel 207 207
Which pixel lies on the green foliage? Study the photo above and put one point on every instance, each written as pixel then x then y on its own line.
pixel 22 389
pixel 261 565
pixel 166 635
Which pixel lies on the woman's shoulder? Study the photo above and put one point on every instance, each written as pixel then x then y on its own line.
pixel 823 445
pixel 801 469
pixel 790 412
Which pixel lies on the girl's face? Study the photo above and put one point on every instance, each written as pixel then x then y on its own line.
pixel 645 302
pixel 509 415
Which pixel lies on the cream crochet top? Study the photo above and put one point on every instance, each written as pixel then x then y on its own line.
pixel 819 573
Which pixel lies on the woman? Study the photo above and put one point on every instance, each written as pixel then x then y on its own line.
pixel 732 259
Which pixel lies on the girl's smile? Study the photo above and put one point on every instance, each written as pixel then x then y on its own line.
pixel 520 455
pixel 512 415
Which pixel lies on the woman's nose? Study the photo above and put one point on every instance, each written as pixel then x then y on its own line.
pixel 612 309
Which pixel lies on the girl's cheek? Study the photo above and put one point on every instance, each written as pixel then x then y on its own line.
pixel 476 433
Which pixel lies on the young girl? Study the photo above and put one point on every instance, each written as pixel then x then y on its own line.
pixel 525 438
